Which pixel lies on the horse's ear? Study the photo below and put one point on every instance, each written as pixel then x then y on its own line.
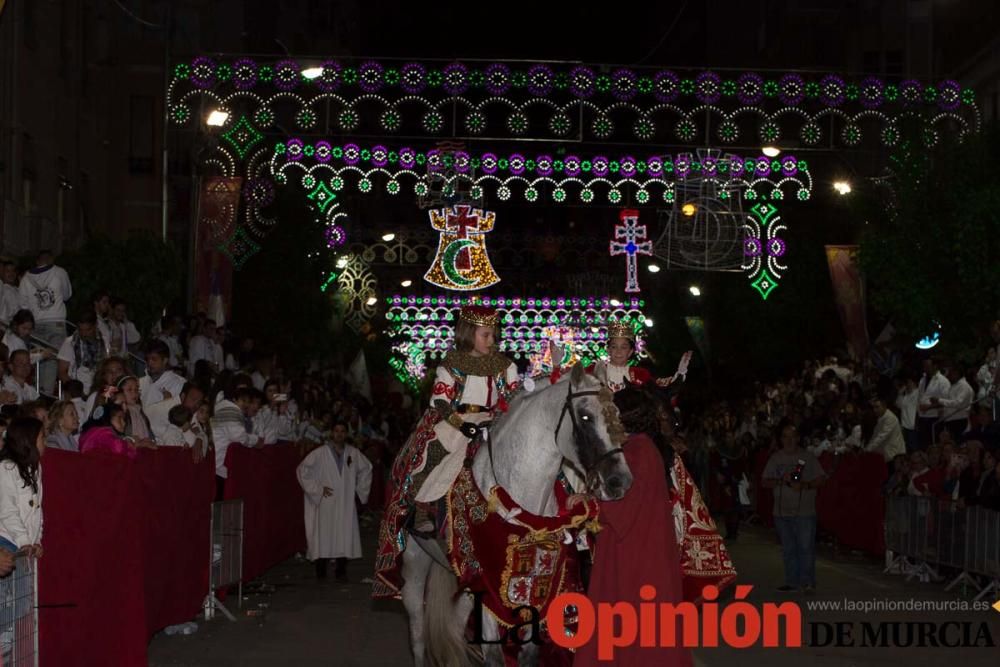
pixel 576 376
pixel 601 373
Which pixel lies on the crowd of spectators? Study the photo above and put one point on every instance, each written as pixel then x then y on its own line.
pixel 99 384
pixel 935 426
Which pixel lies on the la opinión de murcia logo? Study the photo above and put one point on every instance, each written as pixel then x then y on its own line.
pixel 736 624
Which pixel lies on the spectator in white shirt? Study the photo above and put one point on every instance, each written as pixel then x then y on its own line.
pixel 887 438
pixel 955 406
pixel 231 425
pixel 45 290
pixel 102 311
pixel 125 337
pixel 263 369
pixel 185 432
pixel 10 295
pixel 906 401
pixel 19 334
pixel 21 487
pixel 82 353
pixel 170 327
pixel 206 346
pixel 274 422
pixel 191 396
pixel 17 381
pixel 932 385
pixel 158 383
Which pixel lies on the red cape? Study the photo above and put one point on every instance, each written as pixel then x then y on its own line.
pixel 637 546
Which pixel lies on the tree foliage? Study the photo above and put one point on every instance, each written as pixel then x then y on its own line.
pixel 931 251
pixel 143 270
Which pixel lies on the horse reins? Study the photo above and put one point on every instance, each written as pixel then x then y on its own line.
pixel 588 473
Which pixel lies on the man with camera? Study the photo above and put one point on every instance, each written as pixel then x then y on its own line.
pixel 795 474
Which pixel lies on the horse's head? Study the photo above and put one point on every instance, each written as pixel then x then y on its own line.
pixel 590 435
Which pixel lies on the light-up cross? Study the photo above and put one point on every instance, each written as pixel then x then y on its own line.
pixel 630 240
pixel 461 222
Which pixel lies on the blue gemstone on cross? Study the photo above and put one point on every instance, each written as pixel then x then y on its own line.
pixel 630 240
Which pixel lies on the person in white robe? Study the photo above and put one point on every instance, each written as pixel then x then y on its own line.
pixel 331 477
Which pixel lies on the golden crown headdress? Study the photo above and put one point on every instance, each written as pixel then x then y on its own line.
pixel 621 330
pixel 481 316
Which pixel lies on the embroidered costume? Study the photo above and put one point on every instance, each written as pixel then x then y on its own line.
pixel 468 390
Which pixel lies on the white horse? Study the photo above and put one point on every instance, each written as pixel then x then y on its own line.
pixel 565 422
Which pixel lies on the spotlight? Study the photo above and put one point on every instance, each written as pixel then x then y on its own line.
pixel 654 268
pixel 771 151
pixel 695 290
pixel 217 118
pixel 406 283
pixel 388 237
pixel 842 187
pixel 312 73
pixel 689 209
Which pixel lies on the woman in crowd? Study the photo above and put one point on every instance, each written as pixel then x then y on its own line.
pixel 21 487
pixel 18 337
pixel 107 376
pixel 63 424
pixel 136 423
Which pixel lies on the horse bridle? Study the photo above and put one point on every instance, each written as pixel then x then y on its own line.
pixel 590 471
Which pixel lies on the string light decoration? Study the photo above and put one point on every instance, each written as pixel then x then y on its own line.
pixel 324 170
pixel 648 104
pixel 422 327
pixel 630 240
pixel 356 285
pixel 461 262
pixel 764 248
pixel 563 336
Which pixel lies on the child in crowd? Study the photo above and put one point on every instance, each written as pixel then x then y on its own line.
pixel 73 392
pixel 63 424
pixel 105 432
pixel 21 487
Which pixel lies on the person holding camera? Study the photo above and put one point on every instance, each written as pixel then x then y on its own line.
pixel 795 474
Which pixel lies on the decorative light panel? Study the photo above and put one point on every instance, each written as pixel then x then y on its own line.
pixel 545 100
pixel 422 328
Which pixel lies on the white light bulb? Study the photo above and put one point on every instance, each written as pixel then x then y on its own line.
pixel 654 268
pixel 771 151
pixel 388 237
pixel 312 72
pixel 406 283
pixel 695 290
pixel 217 118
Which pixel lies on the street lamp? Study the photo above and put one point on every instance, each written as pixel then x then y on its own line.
pixel 689 209
pixel 217 118
pixel 695 290
pixel 312 73
pixel 842 187
pixel 771 151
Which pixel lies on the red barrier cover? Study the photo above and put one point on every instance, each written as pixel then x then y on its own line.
pixel 849 505
pixel 272 504
pixel 126 553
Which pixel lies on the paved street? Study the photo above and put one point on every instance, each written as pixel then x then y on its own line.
pixel 308 623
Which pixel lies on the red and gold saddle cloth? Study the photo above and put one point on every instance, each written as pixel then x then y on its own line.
pixel 398 508
pixel 704 557
pixel 511 557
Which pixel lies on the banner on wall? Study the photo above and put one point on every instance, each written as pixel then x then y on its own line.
pixel 849 295
pixel 218 211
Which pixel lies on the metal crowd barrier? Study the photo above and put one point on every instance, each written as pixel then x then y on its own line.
pixel 226 555
pixel 19 615
pixel 923 534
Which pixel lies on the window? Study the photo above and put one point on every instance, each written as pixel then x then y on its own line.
pixel 141 131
